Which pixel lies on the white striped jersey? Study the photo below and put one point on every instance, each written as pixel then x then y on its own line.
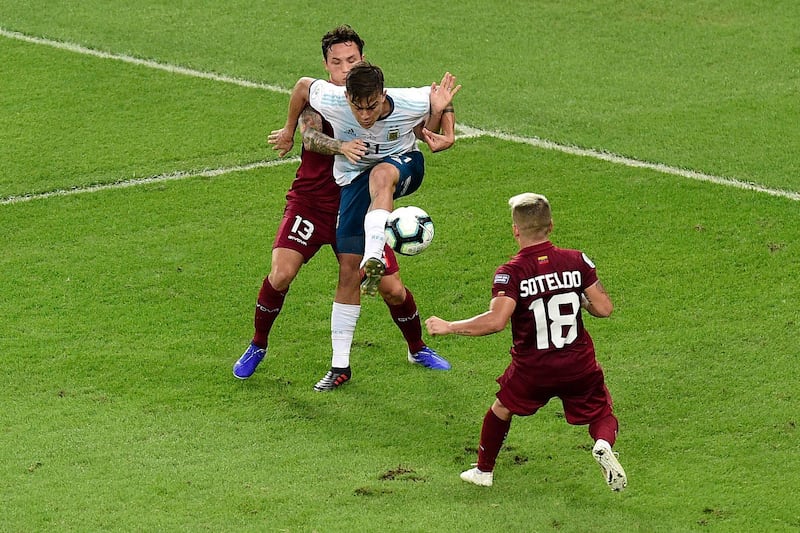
pixel 391 135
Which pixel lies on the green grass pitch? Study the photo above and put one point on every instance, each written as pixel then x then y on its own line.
pixel 124 307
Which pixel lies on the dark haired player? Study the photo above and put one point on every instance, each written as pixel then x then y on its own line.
pixel 384 124
pixel 309 222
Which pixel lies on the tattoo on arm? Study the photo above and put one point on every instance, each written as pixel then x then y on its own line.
pixel 601 288
pixel 313 138
pixel 316 141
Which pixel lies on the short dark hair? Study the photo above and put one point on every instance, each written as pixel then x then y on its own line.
pixel 364 80
pixel 338 35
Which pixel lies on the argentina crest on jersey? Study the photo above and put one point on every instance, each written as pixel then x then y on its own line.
pixel 393 134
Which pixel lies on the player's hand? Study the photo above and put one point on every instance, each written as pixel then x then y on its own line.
pixel 353 150
pixel 437 141
pixel 282 141
pixel 437 326
pixel 442 93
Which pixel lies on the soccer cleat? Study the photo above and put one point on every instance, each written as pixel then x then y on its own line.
pixel 473 475
pixel 612 470
pixel 429 359
pixel 373 272
pixel 334 378
pixel 247 363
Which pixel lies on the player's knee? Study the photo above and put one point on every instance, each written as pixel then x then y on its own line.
pixel 280 277
pixel 501 411
pixel 392 290
pixel 383 175
pixel 349 272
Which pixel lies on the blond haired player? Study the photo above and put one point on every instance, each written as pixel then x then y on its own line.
pixel 541 290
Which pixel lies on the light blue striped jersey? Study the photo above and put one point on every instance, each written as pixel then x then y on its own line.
pixel 390 135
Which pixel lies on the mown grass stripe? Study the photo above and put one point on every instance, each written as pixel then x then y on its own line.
pixel 464 130
pixel 172 176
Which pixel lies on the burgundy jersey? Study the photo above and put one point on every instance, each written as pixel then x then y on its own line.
pixel 549 340
pixel 313 185
pixel 312 207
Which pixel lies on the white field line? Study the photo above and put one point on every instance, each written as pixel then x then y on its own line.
pixel 173 176
pixel 464 131
pixel 173 69
pixel 629 162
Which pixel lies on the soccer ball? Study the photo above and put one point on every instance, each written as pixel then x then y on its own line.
pixel 409 230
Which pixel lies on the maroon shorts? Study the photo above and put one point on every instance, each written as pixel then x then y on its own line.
pixel 585 399
pixel 305 230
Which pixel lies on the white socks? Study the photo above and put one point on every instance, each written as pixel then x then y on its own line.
pixel 343 326
pixel 374 236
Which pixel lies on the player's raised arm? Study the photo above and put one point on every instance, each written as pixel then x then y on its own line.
pixel 442 95
pixel 445 137
pixel 438 132
pixel 444 140
pixel 283 139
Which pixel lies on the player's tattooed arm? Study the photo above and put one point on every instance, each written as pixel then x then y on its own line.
pixel 601 288
pixel 316 141
pixel 313 138
pixel 596 301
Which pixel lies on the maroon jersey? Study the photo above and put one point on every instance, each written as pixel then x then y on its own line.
pixel 313 185
pixel 312 207
pixel 549 340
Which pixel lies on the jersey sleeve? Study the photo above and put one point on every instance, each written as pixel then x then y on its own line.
pixel 504 283
pixel 326 97
pixel 412 101
pixel 588 271
pixel 315 92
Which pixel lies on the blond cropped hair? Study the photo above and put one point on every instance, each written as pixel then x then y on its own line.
pixel 530 213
